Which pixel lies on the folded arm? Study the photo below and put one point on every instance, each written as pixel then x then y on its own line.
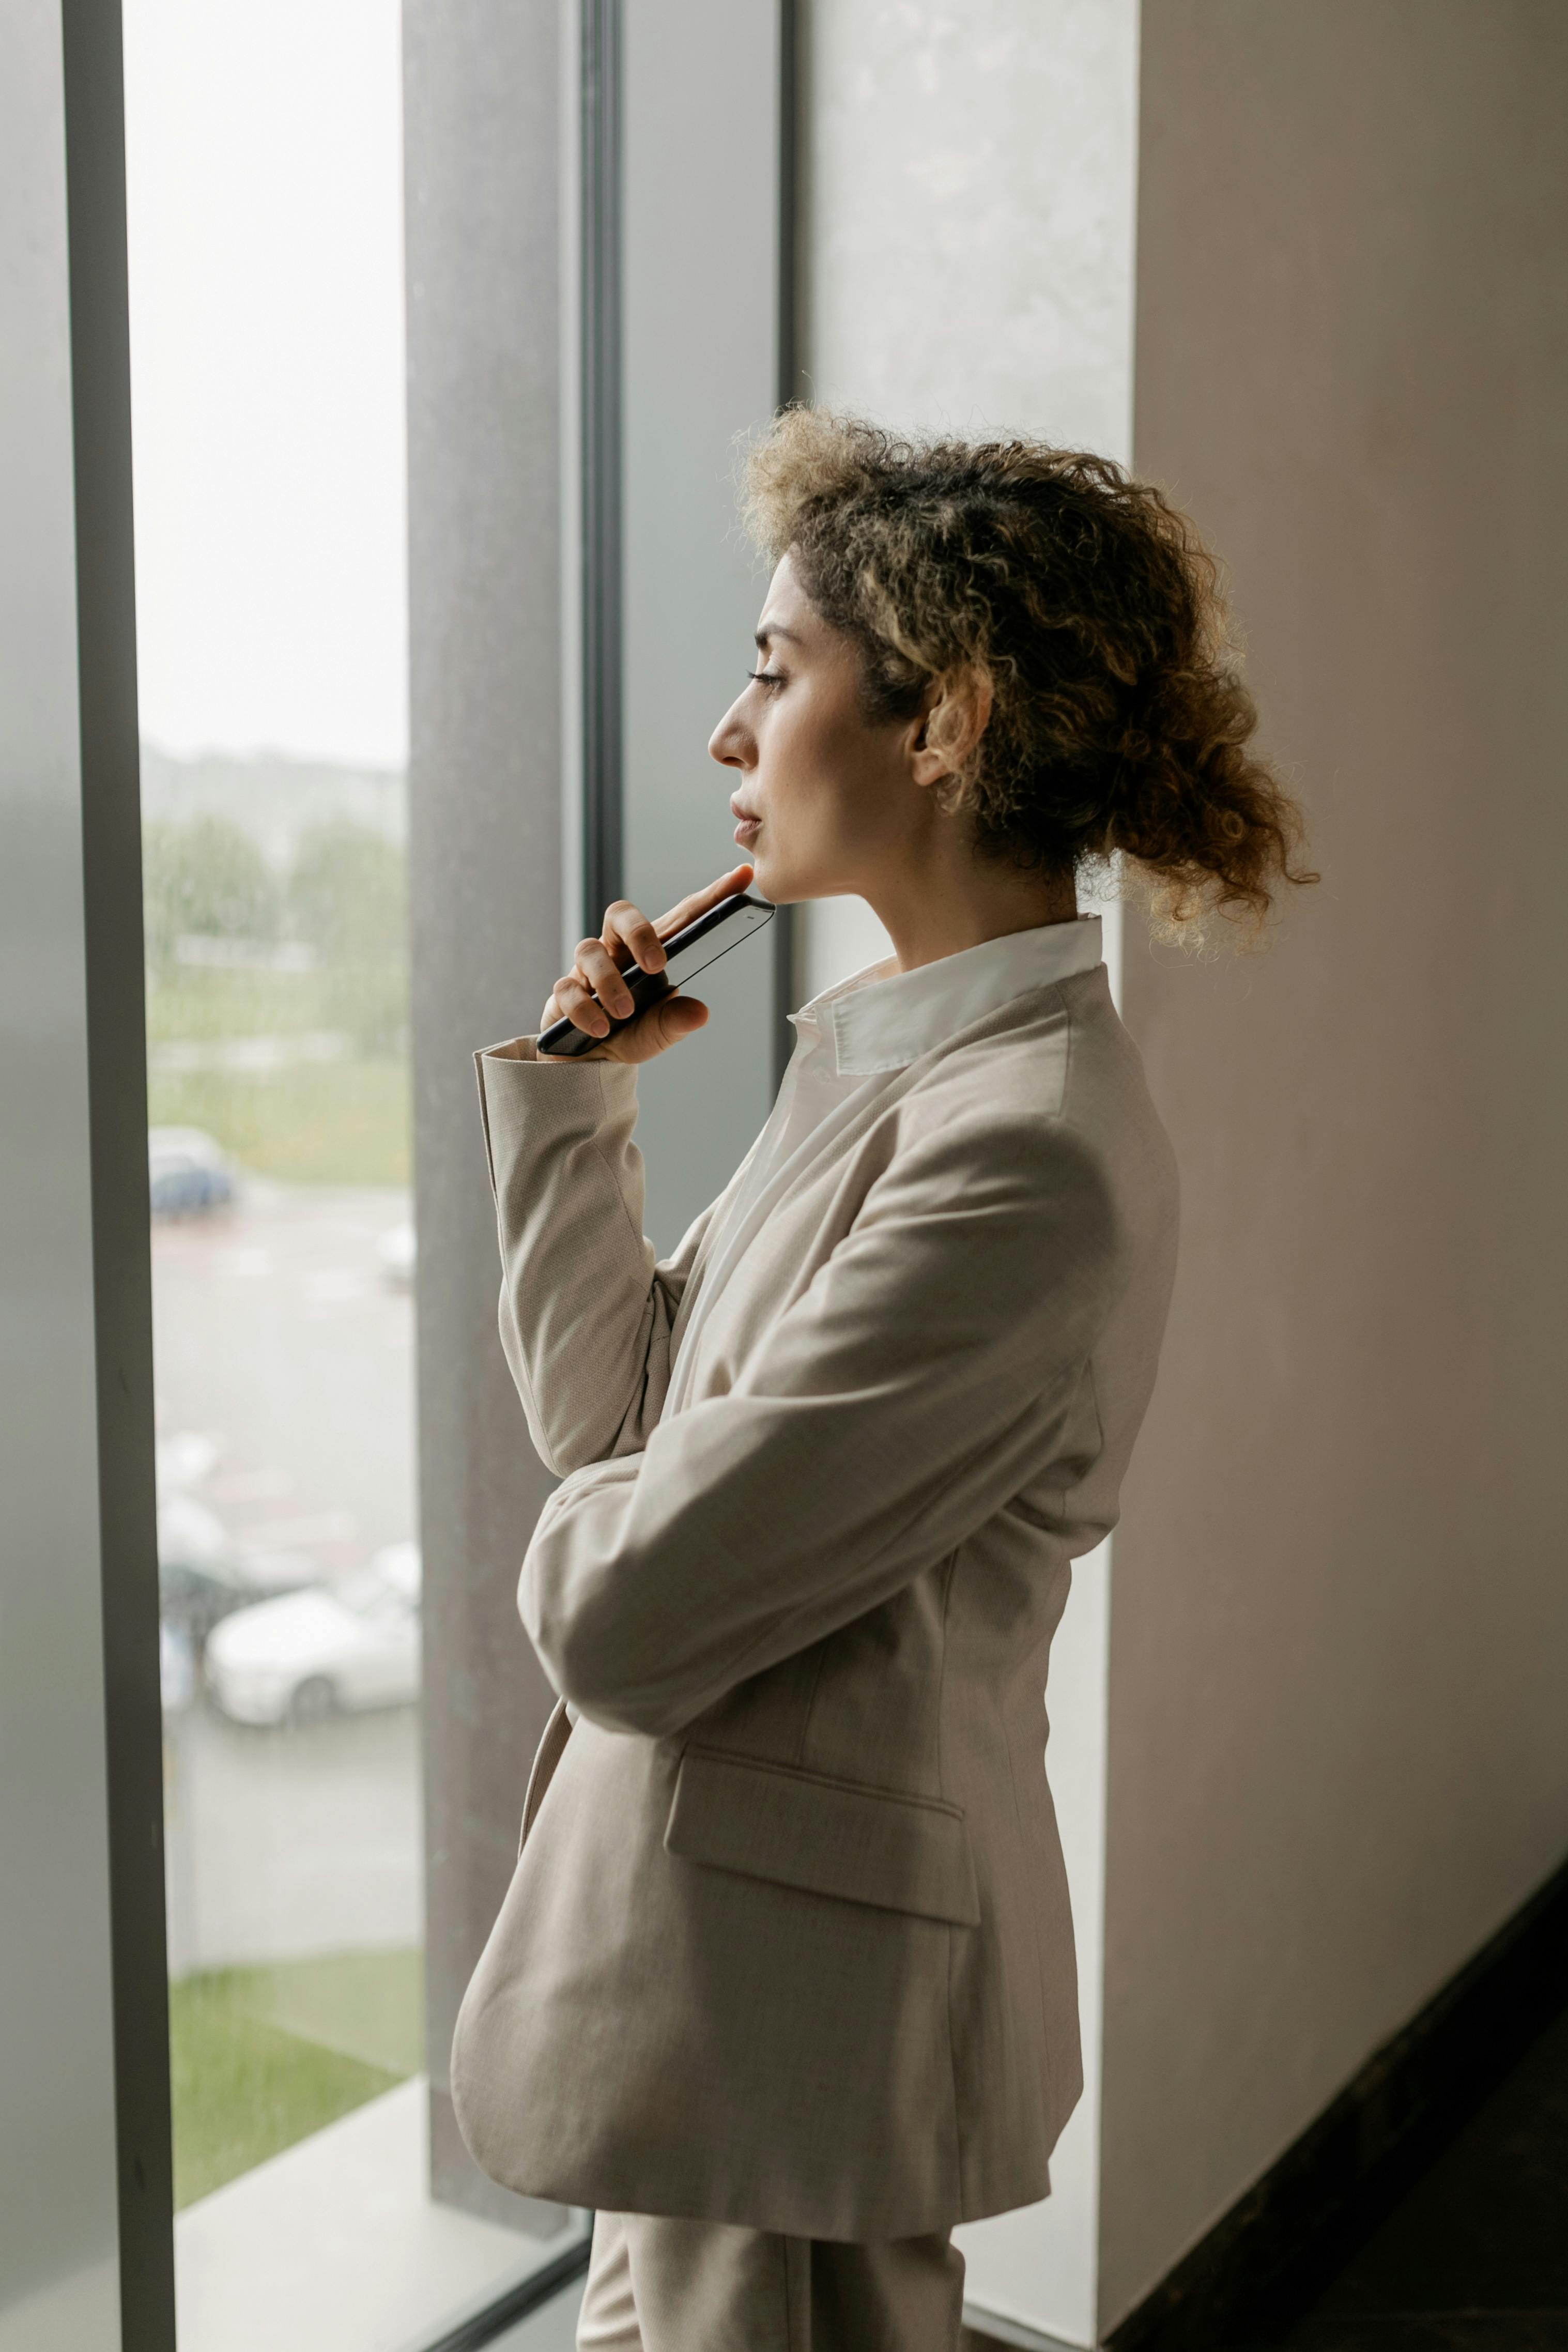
pixel 586 1312
pixel 925 1377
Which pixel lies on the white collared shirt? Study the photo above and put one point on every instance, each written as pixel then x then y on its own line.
pixel 883 1019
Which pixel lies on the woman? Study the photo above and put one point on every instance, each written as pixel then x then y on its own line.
pixel 784 1984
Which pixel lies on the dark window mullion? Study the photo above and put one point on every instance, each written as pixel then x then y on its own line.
pixel 602 456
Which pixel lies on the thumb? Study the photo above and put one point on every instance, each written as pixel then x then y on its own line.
pixel 665 1023
pixel 675 1016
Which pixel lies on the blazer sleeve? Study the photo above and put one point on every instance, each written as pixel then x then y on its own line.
pixel 586 1310
pixel 933 1368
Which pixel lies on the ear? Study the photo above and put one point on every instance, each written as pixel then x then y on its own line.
pixel 957 713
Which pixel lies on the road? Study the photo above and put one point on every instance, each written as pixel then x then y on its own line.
pixel 277 1335
pixel 284 1360
pixel 282 1844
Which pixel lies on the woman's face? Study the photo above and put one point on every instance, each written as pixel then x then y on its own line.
pixel 822 800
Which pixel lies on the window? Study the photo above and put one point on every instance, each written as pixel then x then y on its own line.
pixel 269 1715
pixel 265 184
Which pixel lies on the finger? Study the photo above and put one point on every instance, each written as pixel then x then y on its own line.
pixel 574 1001
pixel 725 887
pixel 598 969
pixel 722 886
pixel 555 1003
pixel 626 927
pixel 662 1025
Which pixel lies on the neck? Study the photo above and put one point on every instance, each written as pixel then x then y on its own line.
pixel 934 914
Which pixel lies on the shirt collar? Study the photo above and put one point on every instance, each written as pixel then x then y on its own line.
pixel 883 1020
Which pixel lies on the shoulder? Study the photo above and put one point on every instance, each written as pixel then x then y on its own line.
pixel 1046 1104
pixel 980 1148
pixel 1034 1073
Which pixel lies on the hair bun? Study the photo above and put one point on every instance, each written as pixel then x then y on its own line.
pixel 1119 725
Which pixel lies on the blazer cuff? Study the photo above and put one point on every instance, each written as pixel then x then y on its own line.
pixel 522 1049
pixel 530 1101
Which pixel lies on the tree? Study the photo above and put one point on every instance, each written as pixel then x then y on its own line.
pixel 205 877
pixel 348 896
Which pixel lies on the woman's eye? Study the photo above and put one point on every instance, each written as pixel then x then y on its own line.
pixel 765 676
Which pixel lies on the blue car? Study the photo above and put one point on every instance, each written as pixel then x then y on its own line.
pixel 189 1173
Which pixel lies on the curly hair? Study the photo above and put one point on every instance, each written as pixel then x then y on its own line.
pixel 1117 721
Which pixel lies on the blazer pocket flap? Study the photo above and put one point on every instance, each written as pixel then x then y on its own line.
pixel 829 1837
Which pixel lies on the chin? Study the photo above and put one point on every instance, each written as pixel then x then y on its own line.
pixel 774 879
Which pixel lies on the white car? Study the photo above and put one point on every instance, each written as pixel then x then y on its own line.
pixel 335 1647
pixel 176 1668
pixel 398 1250
pixel 203 1574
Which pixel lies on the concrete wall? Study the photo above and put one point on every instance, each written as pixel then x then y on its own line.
pixel 701 368
pixel 966 236
pixel 481 116
pixel 967 172
pixel 1339 1676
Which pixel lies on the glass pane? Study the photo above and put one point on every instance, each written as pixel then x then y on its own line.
pixel 265 180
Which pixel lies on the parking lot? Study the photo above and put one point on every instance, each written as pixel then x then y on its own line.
pixel 285 1368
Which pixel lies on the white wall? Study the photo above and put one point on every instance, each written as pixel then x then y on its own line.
pixel 1340 1638
pixel 967 233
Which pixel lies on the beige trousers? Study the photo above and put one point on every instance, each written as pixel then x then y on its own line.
pixel 656 2285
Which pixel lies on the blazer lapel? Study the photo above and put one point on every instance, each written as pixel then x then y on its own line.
pixel 838 1133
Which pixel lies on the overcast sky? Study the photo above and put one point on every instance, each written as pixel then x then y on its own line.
pixel 265 185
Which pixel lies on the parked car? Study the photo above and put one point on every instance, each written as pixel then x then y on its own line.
pixel 398 1251
pixel 176 1668
pixel 329 1649
pixel 189 1172
pixel 203 1576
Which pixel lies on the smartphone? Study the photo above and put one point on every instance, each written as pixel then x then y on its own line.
pixel 689 951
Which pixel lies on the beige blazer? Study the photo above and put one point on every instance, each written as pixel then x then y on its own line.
pixel 788 1942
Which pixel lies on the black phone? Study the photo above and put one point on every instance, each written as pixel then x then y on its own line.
pixel 687 953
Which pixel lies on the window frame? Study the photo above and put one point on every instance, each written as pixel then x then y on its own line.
pixel 111 860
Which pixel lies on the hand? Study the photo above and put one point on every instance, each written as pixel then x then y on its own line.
pixel 594 992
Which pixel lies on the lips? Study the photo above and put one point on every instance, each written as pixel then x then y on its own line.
pixel 747 826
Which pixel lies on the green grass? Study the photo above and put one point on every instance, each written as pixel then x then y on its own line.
pixel 261 2057
pixel 311 1123
pixel 368 1000
pixel 318 1123
pixel 207 1005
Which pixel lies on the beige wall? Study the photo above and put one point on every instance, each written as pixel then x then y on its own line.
pixel 1339 1684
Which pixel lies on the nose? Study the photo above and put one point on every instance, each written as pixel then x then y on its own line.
pixel 731 743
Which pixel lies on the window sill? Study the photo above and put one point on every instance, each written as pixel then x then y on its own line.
pixel 334 2246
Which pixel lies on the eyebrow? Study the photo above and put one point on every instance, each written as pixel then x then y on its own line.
pixel 761 638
